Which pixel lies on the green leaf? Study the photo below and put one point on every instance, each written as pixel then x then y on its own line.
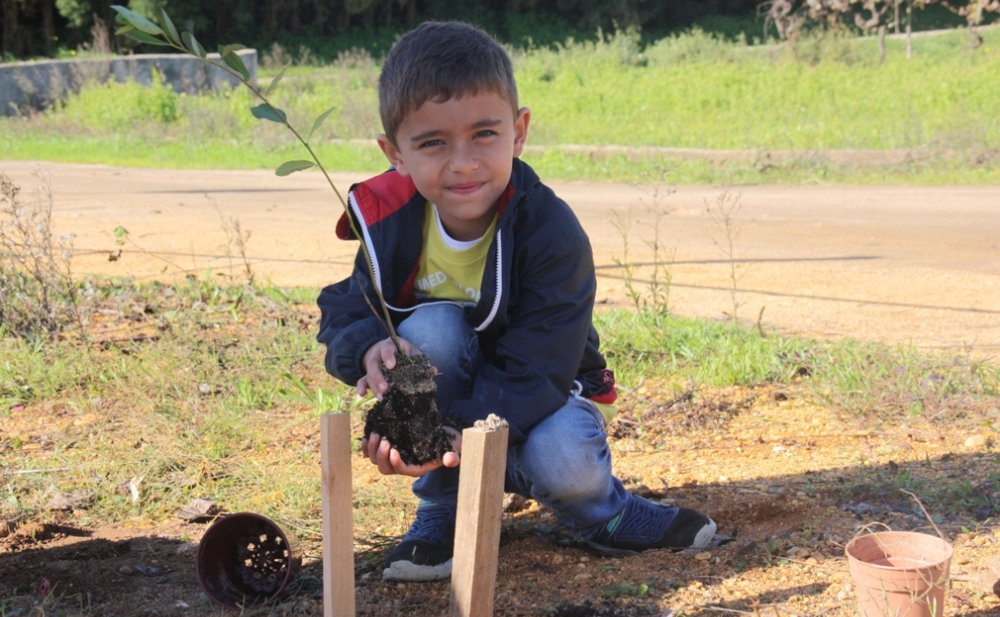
pixel 236 63
pixel 169 27
pixel 223 50
pixel 266 112
pixel 274 82
pixel 124 30
pixel 121 234
pixel 293 166
pixel 137 20
pixel 142 37
pixel 193 45
pixel 319 122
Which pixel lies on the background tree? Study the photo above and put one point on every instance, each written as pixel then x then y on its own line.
pixel 789 16
pixel 975 13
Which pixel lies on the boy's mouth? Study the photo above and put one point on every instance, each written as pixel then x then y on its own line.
pixel 466 188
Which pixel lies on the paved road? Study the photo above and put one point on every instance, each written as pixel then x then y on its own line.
pixel 916 265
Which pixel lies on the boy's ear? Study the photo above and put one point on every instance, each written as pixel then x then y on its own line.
pixel 392 153
pixel 521 130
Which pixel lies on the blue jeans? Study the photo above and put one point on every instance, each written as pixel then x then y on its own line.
pixel 565 461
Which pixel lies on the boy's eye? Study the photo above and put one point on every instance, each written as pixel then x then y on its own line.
pixel 430 143
pixel 486 133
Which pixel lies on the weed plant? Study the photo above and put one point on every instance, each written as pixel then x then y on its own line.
pixel 38 298
pixel 724 212
pixel 653 299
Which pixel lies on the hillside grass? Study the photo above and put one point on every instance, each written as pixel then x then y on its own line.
pixel 691 91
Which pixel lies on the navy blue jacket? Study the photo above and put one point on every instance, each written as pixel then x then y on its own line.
pixel 534 317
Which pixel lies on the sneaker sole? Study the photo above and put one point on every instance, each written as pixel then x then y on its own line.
pixel 410 572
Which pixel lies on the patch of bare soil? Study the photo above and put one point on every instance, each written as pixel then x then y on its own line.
pixel 791 481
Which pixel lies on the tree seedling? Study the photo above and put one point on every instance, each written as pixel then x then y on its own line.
pixel 412 422
pixel 165 34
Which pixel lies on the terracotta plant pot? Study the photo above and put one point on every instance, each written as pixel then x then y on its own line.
pixel 900 573
pixel 244 559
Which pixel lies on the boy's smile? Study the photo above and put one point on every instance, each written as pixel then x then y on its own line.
pixel 459 154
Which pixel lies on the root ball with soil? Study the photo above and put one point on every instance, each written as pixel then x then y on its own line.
pixel 407 416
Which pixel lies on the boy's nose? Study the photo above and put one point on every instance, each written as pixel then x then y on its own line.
pixel 463 161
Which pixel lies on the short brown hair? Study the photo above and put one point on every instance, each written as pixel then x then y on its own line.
pixel 437 61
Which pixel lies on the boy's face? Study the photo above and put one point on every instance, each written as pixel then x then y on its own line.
pixel 459 154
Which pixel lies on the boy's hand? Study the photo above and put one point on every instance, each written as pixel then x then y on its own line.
pixel 382 352
pixel 389 462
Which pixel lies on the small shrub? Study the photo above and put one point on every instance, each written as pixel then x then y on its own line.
pixel 356 58
pixel 37 295
pixel 121 106
pixel 693 46
pixel 276 58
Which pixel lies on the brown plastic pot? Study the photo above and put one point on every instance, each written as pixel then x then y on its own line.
pixel 900 573
pixel 244 559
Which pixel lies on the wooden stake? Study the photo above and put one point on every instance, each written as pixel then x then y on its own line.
pixel 338 516
pixel 477 529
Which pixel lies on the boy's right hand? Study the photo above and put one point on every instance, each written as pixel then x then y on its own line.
pixel 380 452
pixel 382 352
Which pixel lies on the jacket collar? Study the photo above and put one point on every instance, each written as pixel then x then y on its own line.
pixel 379 197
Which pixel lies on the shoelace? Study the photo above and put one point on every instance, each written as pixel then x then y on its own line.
pixel 641 520
pixel 645 521
pixel 431 522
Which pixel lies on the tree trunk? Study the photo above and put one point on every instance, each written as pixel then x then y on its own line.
pixel 909 29
pixel 271 17
pixel 295 23
pixel 319 24
pixel 9 12
pixel 881 43
pixel 343 18
pixel 895 14
pixel 48 23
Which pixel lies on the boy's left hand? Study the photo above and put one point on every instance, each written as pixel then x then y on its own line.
pixel 389 462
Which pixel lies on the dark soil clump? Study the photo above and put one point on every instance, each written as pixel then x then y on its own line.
pixel 407 415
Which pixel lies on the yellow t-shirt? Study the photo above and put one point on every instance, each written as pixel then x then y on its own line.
pixel 450 269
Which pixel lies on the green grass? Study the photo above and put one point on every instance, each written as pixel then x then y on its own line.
pixel 223 388
pixel 971 168
pixel 686 91
pixel 695 93
pixel 860 377
pixel 133 151
pixel 222 398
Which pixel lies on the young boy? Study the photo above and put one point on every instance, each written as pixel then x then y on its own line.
pixel 491 276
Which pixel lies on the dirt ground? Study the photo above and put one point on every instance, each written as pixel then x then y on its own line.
pixel 791 481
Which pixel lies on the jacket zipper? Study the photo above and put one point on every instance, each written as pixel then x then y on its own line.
pixel 496 298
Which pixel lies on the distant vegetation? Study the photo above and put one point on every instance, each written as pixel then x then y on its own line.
pixel 693 90
pixel 56 28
